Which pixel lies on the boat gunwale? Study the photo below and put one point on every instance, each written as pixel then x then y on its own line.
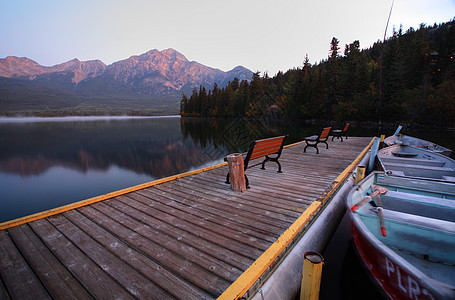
pixel 437 148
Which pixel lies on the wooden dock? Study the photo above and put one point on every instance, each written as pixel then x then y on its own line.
pixel 188 236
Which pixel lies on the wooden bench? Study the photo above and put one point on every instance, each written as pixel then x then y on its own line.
pixel 338 133
pixel 263 148
pixel 314 140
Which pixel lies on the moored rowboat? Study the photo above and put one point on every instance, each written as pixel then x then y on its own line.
pixel 405 235
pixel 416 142
pixel 407 161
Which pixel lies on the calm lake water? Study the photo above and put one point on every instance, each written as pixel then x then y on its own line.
pixel 50 162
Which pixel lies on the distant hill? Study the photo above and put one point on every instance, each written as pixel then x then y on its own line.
pixel 152 82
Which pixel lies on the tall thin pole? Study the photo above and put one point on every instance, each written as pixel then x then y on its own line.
pixel 388 19
pixel 380 66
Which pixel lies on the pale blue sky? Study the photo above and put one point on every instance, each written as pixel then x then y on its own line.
pixel 262 35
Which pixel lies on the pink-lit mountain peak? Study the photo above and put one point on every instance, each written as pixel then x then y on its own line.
pixel 154 72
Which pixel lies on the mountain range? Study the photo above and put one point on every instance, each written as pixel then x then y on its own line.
pixel 153 75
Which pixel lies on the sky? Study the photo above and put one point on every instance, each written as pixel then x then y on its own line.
pixel 261 35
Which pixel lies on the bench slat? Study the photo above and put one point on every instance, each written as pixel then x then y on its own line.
pixel 325 133
pixel 260 154
pixel 267 145
pixel 263 149
pixel 270 146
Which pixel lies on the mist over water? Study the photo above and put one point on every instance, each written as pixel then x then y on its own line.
pixel 76 119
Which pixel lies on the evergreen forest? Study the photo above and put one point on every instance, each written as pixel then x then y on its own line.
pixel 409 77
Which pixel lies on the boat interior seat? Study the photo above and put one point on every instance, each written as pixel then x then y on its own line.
pixel 437 201
pixel 398 173
pixel 420 205
pixel 449 178
pixel 419 171
pixel 418 167
pixel 407 218
pixel 414 161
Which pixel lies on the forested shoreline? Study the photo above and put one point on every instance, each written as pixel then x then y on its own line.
pixel 410 77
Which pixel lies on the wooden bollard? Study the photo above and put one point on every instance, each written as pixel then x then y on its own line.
pixel 311 276
pixel 236 172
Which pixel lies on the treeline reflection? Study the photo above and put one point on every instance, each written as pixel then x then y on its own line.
pixel 156 147
pixel 235 135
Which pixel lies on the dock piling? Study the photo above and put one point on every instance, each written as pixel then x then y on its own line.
pixel 311 276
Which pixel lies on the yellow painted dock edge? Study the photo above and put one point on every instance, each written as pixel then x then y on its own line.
pixel 243 283
pixel 61 209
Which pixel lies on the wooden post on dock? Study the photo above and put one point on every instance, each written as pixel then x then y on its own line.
pixel 236 172
pixel 381 141
pixel 360 174
pixel 311 275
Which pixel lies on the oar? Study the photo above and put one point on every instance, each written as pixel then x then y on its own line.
pixel 377 191
pixel 380 211
pixel 361 202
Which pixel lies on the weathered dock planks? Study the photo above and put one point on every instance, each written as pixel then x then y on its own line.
pixel 188 237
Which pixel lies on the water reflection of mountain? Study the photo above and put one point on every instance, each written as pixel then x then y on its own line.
pixel 150 146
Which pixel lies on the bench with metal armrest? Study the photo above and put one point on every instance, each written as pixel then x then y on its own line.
pixel 338 133
pixel 314 140
pixel 270 148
